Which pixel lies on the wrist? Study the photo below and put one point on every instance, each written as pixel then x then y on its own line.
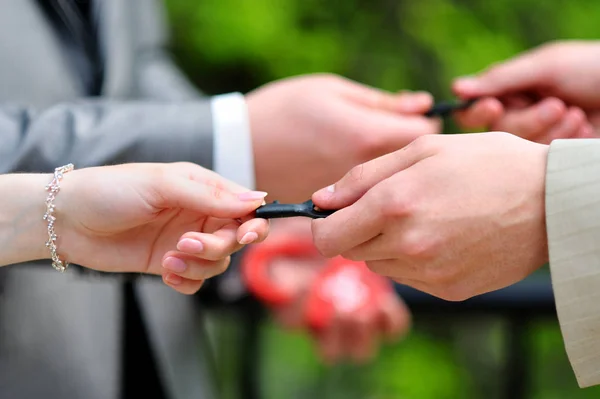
pixel 23 232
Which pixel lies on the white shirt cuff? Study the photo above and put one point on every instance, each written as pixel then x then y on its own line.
pixel 233 156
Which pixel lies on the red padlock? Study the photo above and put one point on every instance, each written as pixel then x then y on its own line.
pixel 256 263
pixel 344 286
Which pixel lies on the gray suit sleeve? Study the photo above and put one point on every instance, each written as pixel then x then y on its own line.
pixel 91 133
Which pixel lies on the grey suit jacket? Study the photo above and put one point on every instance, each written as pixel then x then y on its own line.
pixel 573 224
pixel 60 334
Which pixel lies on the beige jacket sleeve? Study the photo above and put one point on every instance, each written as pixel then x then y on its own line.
pixel 573 223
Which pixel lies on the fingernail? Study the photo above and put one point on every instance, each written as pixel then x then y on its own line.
pixel 327 191
pixel 549 112
pixel 466 83
pixel 248 238
pixel 174 264
pixel 252 195
pixel 190 246
pixel 173 279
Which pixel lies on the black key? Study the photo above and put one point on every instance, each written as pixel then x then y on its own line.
pixel 276 210
pixel 445 108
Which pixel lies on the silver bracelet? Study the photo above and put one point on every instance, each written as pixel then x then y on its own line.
pixel 53 188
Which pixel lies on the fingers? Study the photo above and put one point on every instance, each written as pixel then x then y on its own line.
pixel 182 285
pixel 570 126
pixel 193 268
pixel 533 121
pixel 253 231
pixel 413 102
pixel 200 256
pixel 363 177
pixel 348 227
pixel 594 119
pixel 518 74
pixel 482 114
pixel 384 132
pixel 404 102
pixel 207 199
pixel 215 246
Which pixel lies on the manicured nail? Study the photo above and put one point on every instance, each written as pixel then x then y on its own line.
pixel 174 264
pixel 248 238
pixel 190 246
pixel 252 195
pixel 173 279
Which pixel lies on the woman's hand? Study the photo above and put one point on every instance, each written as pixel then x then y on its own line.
pixel 179 220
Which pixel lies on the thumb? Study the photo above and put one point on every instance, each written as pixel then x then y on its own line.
pixel 363 177
pixel 209 199
pixel 524 72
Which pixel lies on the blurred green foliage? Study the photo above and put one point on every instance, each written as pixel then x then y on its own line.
pixel 238 45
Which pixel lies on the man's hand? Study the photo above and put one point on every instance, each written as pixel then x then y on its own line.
pixel 308 131
pixel 454 216
pixel 550 92
pixel 348 334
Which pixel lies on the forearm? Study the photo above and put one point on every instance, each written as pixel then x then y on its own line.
pixel 23 233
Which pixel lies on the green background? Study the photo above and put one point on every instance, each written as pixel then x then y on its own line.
pixel 237 45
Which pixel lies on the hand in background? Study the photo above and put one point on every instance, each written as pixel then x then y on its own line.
pixel 179 220
pixel 544 94
pixel 308 131
pixel 345 334
pixel 454 216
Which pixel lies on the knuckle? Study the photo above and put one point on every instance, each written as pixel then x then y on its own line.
pixel 423 144
pixel 215 192
pixel 420 246
pixel 367 146
pixel 418 249
pixel 355 175
pixel 394 203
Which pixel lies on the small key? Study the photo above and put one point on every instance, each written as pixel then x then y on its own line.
pixel 445 108
pixel 276 210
